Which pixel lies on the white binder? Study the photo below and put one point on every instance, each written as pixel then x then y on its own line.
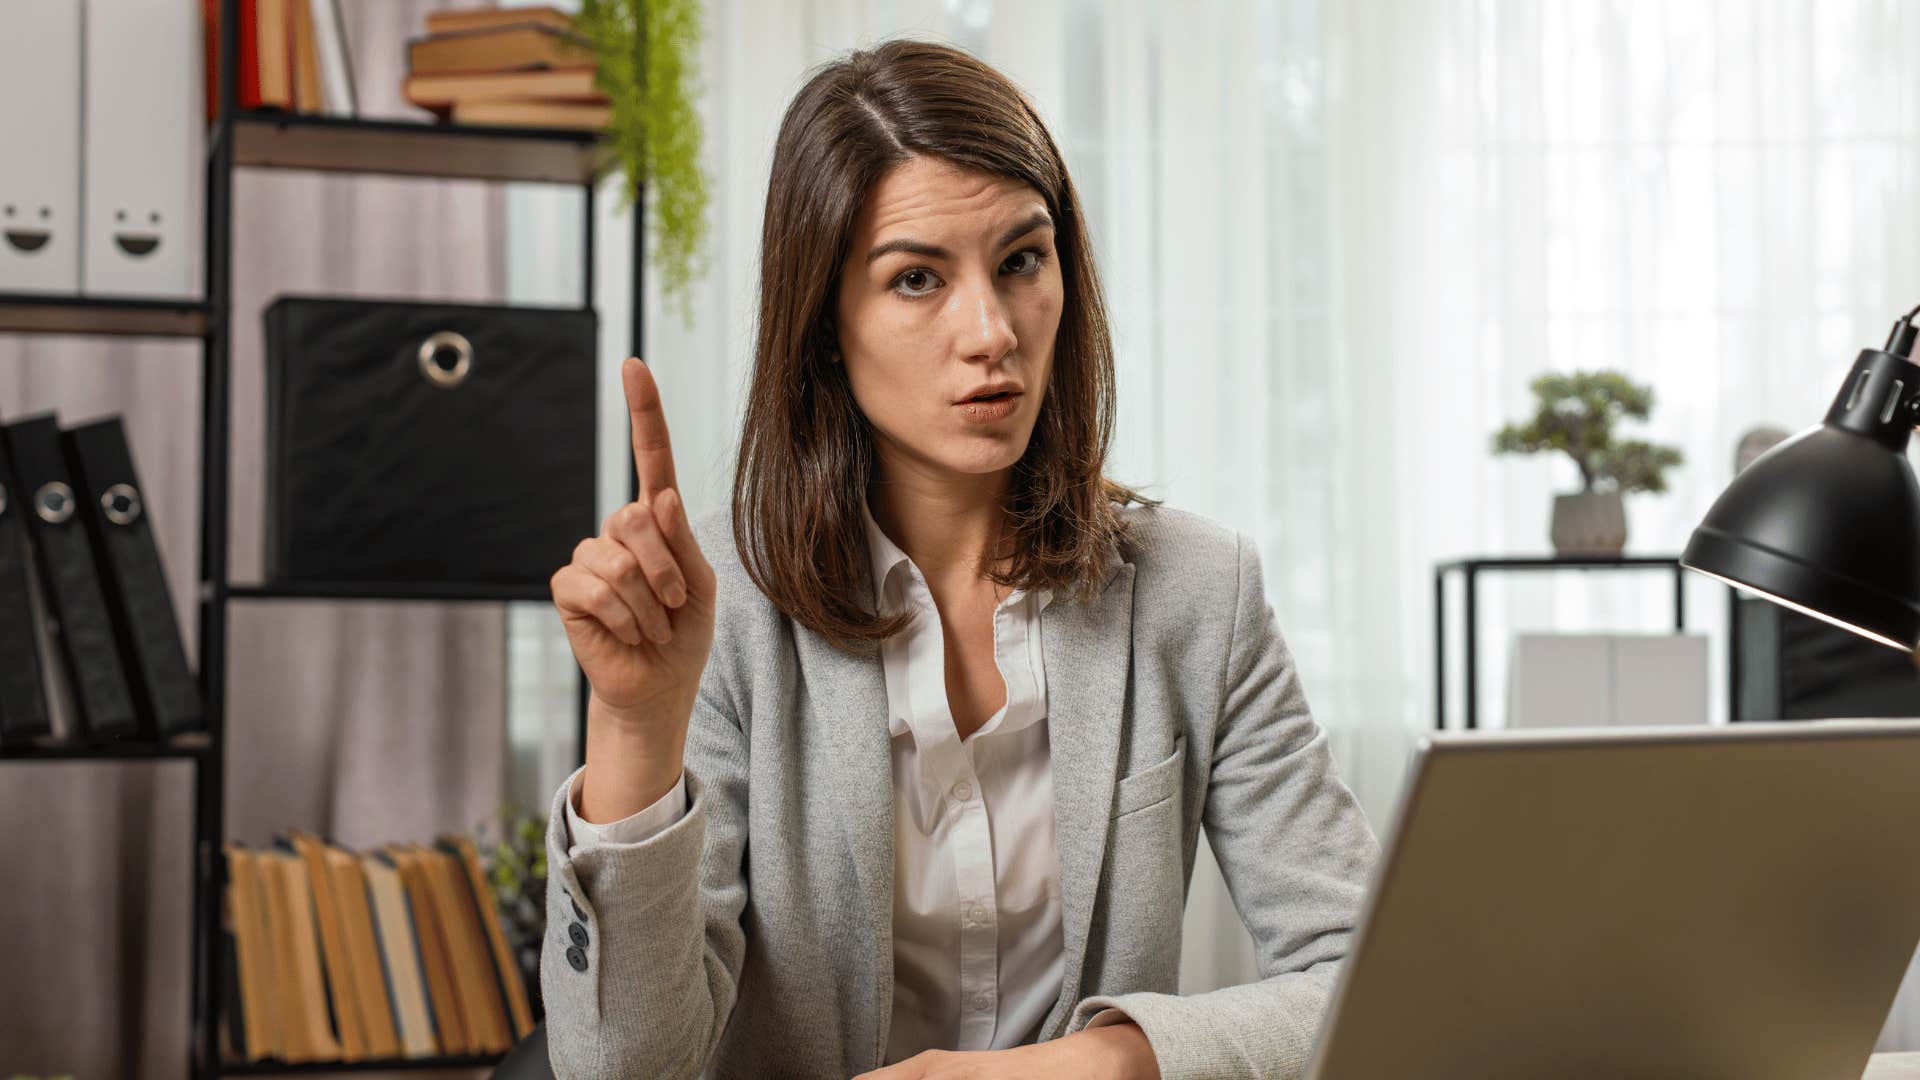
pixel 144 161
pixel 1560 680
pixel 40 230
pixel 1592 680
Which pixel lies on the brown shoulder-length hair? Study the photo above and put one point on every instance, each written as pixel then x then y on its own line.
pixel 806 450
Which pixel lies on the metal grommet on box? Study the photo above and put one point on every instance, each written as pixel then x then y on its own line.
pixel 53 502
pixel 430 353
pixel 121 504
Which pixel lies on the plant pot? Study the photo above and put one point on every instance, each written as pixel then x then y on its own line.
pixel 1589 523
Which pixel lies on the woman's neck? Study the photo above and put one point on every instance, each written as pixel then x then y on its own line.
pixel 945 525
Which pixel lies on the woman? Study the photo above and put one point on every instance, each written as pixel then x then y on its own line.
pixel 912 771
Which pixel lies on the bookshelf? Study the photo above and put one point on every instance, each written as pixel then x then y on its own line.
pixel 409 148
pixel 91 315
pixel 274 140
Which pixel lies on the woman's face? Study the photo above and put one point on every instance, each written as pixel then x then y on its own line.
pixel 964 292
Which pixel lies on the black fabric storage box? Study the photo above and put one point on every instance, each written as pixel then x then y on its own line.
pixel 427 442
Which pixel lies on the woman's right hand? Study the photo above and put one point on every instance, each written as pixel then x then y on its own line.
pixel 637 601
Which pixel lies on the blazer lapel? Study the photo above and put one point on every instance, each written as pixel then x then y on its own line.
pixel 854 711
pixel 1087 648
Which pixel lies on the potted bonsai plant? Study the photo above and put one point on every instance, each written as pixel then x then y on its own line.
pixel 644 53
pixel 1576 414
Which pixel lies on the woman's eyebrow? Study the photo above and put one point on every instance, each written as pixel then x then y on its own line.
pixel 1039 219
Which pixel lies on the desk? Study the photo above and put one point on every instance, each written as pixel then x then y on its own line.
pixel 1893 1067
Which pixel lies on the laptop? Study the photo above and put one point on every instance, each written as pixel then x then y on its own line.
pixel 1728 901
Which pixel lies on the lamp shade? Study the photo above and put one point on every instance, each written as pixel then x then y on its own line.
pixel 1827 522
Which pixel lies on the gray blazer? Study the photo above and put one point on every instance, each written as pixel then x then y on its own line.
pixel 753 937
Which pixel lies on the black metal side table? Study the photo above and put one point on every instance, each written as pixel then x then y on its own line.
pixel 1472 568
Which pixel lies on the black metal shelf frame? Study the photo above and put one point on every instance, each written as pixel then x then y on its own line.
pixel 182 747
pixel 1470 570
pixel 281 1068
pixel 267 139
pixel 390 590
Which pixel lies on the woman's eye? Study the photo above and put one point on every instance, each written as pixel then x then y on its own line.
pixel 914 291
pixel 908 279
pixel 1035 265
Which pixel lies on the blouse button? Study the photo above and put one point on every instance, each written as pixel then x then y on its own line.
pixel 982 1001
pixel 963 791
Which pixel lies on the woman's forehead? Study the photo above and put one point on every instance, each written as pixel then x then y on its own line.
pixel 934 194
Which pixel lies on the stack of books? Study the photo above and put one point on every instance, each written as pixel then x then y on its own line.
pixel 512 66
pixel 338 956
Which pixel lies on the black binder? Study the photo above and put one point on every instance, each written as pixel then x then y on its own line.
pixel 76 608
pixel 114 507
pixel 23 698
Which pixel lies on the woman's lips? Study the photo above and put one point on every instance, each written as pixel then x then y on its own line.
pixel 988 411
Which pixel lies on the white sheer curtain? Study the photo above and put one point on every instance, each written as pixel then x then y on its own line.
pixel 1340 238
pixel 1711 197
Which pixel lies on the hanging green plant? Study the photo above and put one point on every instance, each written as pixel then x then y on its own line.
pixel 646 51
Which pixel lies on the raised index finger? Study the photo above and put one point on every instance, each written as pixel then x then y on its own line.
pixel 652 451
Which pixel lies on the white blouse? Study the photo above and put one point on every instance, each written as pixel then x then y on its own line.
pixel 977 948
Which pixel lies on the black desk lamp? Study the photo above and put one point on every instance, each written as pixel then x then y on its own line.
pixel 1827 522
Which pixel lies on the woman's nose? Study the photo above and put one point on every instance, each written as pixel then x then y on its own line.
pixel 986 324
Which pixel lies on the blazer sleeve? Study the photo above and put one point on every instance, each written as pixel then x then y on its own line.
pixel 641 963
pixel 642 824
pixel 1296 852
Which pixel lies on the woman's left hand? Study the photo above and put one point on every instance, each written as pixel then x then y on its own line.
pixel 1110 1052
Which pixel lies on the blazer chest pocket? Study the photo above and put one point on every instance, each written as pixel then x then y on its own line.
pixel 1150 785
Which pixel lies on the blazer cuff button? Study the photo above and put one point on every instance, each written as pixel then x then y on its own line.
pixel 577 957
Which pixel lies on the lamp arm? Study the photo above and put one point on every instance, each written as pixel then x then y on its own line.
pixel 1900 341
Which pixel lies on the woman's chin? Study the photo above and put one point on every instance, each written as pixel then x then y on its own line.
pixel 981 460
